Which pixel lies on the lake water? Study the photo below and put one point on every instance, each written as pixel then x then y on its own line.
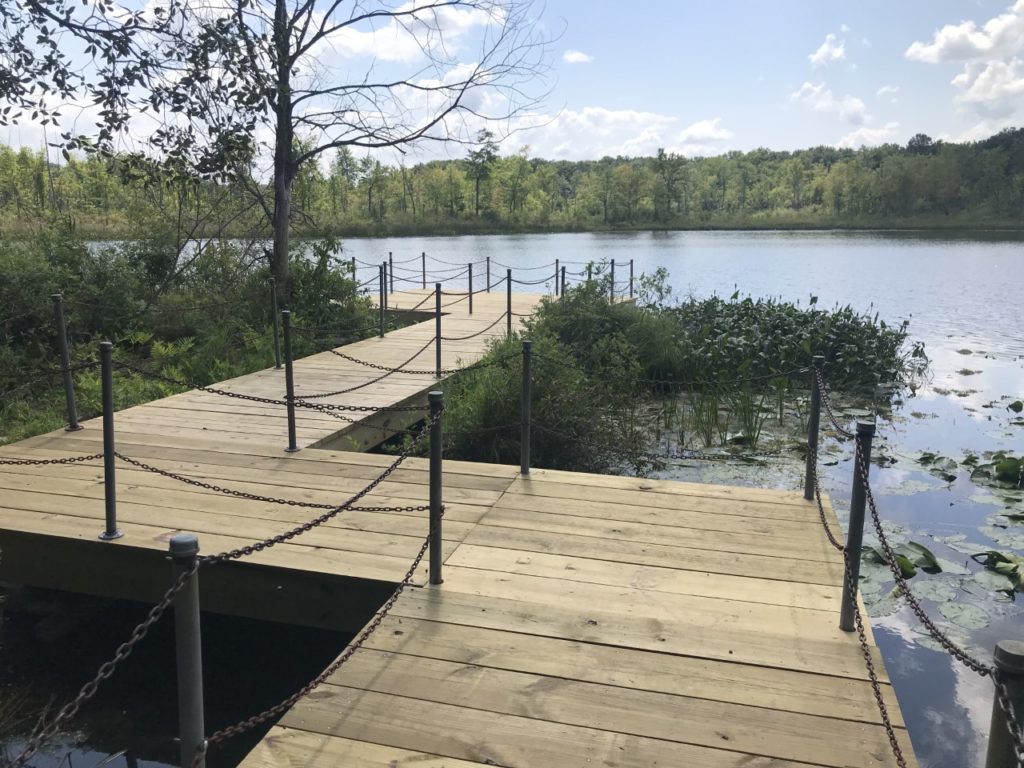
pixel 961 294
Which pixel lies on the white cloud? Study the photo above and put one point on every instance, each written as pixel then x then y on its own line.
pixel 844 28
pixel 865 42
pixel 888 90
pixel 832 49
pixel 999 36
pixel 820 98
pixel 576 57
pixel 596 132
pixel 870 137
pixel 998 84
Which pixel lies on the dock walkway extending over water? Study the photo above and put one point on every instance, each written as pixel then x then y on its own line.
pixel 584 620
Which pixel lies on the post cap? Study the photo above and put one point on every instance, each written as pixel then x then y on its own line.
pixel 184 545
pixel 866 426
pixel 271 279
pixel 435 396
pixel 818 361
pixel 1009 657
pixel 106 346
pixel 57 296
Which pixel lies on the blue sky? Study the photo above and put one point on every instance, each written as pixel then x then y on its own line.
pixel 703 77
pixel 706 77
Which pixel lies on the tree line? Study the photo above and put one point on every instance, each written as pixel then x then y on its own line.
pixel 925 182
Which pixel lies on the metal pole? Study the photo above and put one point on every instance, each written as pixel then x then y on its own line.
pixel 813 422
pixel 380 300
pixel 384 287
pixel 855 529
pixel 631 278
pixel 188 649
pixel 508 303
pixel 424 257
pixel 1009 663
pixel 611 286
pixel 354 270
pixel 277 328
pixel 65 363
pixel 437 330
pixel 556 276
pixel 562 294
pixel 526 398
pixel 488 274
pixel 109 483
pixel 391 270
pixel 289 380
pixel 590 271
pixel 436 400
pixel 471 288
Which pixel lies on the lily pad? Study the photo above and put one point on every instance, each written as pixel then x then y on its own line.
pixel 948 566
pixel 959 543
pixel 965 615
pixel 885 606
pixel 997 582
pixel 936 590
pixel 1016 406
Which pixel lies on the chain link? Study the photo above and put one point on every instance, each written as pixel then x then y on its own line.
pixel 444 371
pixel 106 670
pixel 827 402
pixel 244 725
pixel 419 352
pixel 478 333
pixel 821 505
pixel 44 462
pixel 309 525
pixel 869 663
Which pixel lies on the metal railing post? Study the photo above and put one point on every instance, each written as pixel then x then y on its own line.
pixel 611 285
pixel 855 528
pixel 436 400
pixel 110 530
pixel 437 330
pixel 277 328
pixel 65 363
pixel 391 271
pixel 289 380
pixel 188 650
pixel 590 272
pixel 488 274
pixel 562 294
pixel 508 303
pixel 380 300
pixel 424 257
pixel 556 276
pixel 631 278
pixel 1009 663
pixel 526 399
pixel 471 288
pixel 813 423
pixel 384 286
pixel 353 261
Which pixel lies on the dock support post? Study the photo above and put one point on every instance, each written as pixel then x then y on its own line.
pixel 813 423
pixel 1009 664
pixel 557 272
pixel 631 278
pixel 65 362
pixel 384 291
pixel 380 300
pixel 470 288
pixel 526 399
pixel 110 530
pixel 277 327
pixel 488 274
pixel 391 271
pixel 436 400
pixel 855 528
pixel 437 330
pixel 611 284
pixel 562 294
pixel 590 272
pixel 289 380
pixel 188 650
pixel 353 264
pixel 423 256
pixel 508 303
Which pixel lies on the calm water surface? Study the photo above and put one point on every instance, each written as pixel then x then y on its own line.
pixel 962 297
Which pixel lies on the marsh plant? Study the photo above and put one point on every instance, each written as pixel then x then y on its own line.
pixel 698 373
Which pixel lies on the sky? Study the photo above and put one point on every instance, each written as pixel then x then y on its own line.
pixel 704 78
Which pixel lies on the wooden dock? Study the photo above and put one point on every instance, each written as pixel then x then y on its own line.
pixel 584 620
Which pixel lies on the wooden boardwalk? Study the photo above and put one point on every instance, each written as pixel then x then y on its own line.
pixel 584 620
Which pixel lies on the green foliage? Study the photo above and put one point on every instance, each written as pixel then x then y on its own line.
pixel 203 315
